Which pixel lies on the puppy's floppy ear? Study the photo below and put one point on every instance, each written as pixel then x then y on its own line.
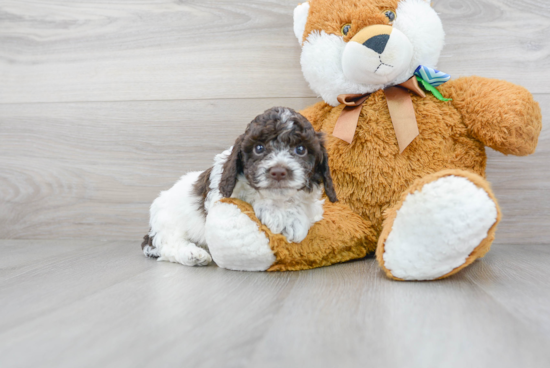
pixel 232 168
pixel 323 170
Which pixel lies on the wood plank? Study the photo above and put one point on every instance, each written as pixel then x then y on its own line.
pixel 496 39
pixel 91 170
pixel 59 51
pixel 351 316
pixel 142 50
pixel 54 280
pixel 517 278
pixel 112 307
pixel 20 256
pixel 105 305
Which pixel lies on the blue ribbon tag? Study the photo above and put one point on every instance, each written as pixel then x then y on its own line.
pixel 432 76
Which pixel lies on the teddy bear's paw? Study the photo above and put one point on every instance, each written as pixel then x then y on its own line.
pixel 235 241
pixel 437 229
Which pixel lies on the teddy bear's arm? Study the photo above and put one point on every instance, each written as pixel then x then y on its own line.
pixel 500 114
pixel 239 241
pixel 316 114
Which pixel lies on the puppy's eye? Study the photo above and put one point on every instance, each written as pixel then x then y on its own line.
pixel 390 14
pixel 345 29
pixel 259 149
pixel 300 150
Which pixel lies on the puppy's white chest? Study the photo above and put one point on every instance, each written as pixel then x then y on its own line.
pixel 291 216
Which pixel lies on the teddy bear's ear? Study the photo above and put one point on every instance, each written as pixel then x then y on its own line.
pixel 300 20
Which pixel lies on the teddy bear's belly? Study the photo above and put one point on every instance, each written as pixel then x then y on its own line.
pixel 370 175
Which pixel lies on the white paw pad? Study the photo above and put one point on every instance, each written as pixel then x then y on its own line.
pixel 437 228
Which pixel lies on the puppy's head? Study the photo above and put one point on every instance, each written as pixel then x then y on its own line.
pixel 279 150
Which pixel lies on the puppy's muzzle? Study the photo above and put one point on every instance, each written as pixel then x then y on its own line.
pixel 278 173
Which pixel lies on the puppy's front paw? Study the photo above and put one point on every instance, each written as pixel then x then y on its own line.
pixel 193 256
pixel 296 231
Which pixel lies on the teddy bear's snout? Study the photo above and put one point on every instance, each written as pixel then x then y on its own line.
pixel 374 37
pixel 377 54
pixel 377 43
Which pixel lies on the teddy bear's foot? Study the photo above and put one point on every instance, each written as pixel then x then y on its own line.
pixel 235 241
pixel 443 223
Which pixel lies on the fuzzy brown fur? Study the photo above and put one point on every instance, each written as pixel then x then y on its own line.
pixel 269 130
pixel 372 177
pixel 330 15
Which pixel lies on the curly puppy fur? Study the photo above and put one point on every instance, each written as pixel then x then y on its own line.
pixel 278 166
pixel 278 130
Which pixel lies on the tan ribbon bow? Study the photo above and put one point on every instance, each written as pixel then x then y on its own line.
pixel 401 112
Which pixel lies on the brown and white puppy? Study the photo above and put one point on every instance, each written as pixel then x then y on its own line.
pixel 279 166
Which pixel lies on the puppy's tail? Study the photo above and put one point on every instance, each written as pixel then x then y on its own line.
pixel 148 248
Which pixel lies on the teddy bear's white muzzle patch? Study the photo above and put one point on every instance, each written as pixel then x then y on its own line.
pixel 378 60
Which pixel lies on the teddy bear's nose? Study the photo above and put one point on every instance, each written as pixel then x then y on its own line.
pixel 377 43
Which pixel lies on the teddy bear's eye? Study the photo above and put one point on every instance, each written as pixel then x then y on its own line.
pixel 390 14
pixel 345 29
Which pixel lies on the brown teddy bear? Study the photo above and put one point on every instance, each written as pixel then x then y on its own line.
pixel 406 148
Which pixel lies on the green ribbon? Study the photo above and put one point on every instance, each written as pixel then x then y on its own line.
pixel 428 87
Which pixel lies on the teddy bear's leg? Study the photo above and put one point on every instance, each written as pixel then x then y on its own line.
pixel 239 241
pixel 443 223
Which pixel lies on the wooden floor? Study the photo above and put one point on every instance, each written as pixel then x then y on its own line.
pixel 92 304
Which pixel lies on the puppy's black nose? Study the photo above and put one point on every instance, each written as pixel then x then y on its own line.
pixel 278 173
pixel 377 43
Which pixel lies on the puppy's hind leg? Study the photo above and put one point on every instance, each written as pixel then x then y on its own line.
pixel 177 224
pixel 149 250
